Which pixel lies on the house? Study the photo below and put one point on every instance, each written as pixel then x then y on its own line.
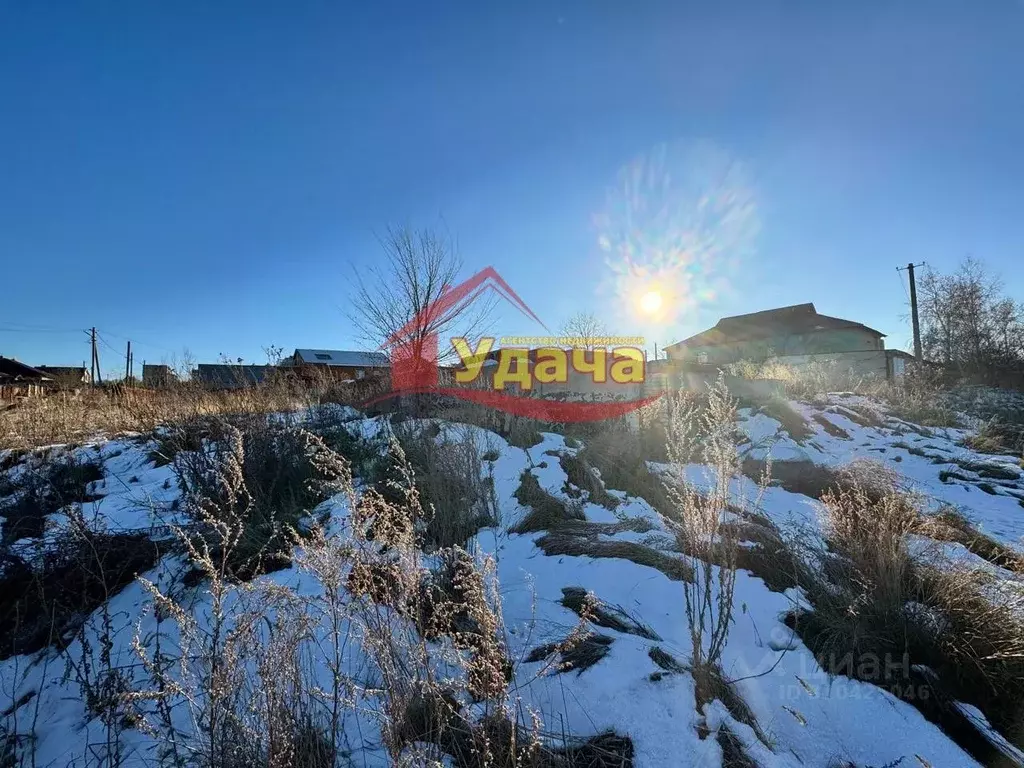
pixel 157 376
pixel 348 365
pixel 795 335
pixel 19 380
pixel 225 376
pixel 68 376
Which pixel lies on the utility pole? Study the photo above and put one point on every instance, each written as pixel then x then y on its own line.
pixel 913 308
pixel 128 363
pixel 92 369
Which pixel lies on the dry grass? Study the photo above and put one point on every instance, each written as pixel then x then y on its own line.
pixel 547 512
pixel 830 428
pixel 615 617
pixel 249 491
pixel 878 612
pixel 621 459
pixel 794 424
pixel 577 655
pixel 64 417
pixel 44 486
pixel 562 543
pixel 454 489
pixel 665 660
pixel 581 475
pixel 951 524
pixel 996 437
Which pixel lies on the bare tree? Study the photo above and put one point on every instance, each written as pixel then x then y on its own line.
pixel 401 299
pixel 586 327
pixel 966 320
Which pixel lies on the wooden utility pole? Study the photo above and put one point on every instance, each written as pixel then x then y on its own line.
pixel 128 363
pixel 913 308
pixel 92 369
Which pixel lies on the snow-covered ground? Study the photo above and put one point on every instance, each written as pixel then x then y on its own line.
pixel 808 717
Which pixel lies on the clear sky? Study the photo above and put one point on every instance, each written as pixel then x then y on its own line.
pixel 208 175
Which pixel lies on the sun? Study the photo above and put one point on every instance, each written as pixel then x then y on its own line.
pixel 650 302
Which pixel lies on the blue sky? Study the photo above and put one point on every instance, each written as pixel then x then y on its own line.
pixel 209 175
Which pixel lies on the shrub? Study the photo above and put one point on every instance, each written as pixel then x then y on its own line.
pixel 708 595
pixel 249 491
pixel 449 475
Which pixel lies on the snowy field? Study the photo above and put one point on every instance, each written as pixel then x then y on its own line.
pixel 808 718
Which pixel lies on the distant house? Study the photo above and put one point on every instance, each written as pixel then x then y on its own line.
pixel 19 380
pixel 794 335
pixel 339 363
pixel 225 376
pixel 157 376
pixel 68 376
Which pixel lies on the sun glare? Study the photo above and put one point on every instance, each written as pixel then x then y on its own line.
pixel 650 302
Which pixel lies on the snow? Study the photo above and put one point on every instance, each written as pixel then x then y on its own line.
pixel 810 718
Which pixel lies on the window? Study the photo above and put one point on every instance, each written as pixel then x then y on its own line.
pixel 702 358
pixel 322 356
pixel 360 373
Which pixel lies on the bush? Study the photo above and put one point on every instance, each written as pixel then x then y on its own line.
pixel 449 477
pixel 250 491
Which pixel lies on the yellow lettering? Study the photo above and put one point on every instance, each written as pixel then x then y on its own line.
pixel 627 365
pixel 505 372
pixel 597 366
pixel 552 365
pixel 472 360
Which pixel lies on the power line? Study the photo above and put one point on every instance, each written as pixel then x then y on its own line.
pixel 135 340
pixel 902 284
pixel 108 344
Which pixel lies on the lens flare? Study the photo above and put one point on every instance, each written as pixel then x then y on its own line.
pixel 676 226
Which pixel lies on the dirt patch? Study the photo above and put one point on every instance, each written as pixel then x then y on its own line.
pixel 804 477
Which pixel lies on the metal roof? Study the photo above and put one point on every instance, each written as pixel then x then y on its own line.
pixel 342 357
